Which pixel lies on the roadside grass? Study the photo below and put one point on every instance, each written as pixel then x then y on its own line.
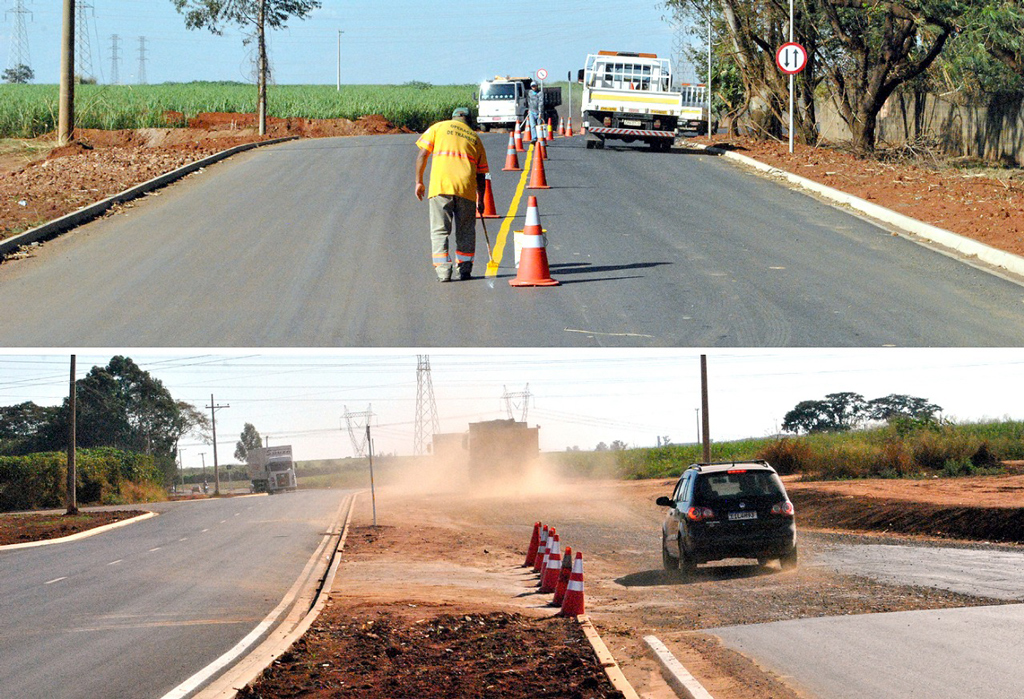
pixel 27 111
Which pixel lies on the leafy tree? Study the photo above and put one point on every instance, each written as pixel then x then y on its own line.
pixel 900 405
pixel 618 445
pixel 250 439
pixel 838 412
pixel 601 446
pixel 998 26
pixel 22 427
pixel 254 14
pixel 20 74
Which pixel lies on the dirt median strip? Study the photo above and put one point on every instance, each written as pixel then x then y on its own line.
pixel 78 535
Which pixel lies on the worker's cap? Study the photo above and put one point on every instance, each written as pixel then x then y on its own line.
pixel 534 84
pixel 460 112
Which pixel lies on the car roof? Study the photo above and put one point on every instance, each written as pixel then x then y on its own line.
pixel 721 466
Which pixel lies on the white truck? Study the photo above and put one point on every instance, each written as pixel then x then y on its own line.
pixel 502 102
pixel 630 97
pixel 271 469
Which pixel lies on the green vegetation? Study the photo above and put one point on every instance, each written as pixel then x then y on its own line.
pixel 906 448
pixel 27 111
pixel 105 476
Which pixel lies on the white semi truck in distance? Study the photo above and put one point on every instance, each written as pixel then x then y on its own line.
pixel 630 97
pixel 271 469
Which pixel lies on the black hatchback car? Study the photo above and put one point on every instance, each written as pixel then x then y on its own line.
pixel 728 510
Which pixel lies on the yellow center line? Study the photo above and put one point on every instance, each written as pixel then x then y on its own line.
pixel 506 225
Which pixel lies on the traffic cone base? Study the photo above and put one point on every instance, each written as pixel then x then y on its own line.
pixel 573 604
pixel 533 258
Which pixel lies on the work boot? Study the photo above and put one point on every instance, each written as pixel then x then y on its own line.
pixel 465 272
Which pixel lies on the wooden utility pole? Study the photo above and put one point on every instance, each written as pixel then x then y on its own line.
pixel 261 80
pixel 213 419
pixel 704 407
pixel 66 113
pixel 71 498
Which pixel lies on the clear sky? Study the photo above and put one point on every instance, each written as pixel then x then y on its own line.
pixel 579 397
pixel 384 41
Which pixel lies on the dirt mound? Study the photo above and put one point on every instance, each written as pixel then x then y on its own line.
pixel 16 529
pixel 830 510
pixel 373 124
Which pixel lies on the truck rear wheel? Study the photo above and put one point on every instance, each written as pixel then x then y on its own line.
pixel 485 127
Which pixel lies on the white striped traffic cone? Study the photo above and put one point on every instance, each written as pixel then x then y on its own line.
pixel 573 605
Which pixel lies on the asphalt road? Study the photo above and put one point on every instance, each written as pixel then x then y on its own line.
pixel 322 243
pixel 135 611
pixel 939 654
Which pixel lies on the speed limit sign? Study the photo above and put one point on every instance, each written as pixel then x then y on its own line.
pixel 791 58
pixel 542 74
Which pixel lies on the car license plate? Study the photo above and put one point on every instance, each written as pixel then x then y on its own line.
pixel 632 122
pixel 733 516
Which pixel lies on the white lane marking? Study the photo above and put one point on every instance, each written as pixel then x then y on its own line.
pixel 184 538
pixel 114 563
pixel 50 582
pixel 237 513
pixel 223 521
pixel 204 531
pixel 155 549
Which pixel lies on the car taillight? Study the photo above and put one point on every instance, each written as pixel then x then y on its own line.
pixel 657 124
pixel 698 514
pixel 783 508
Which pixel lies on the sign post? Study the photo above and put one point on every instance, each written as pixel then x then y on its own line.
pixel 791 58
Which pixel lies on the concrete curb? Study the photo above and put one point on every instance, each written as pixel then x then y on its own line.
pixel 88 213
pixel 305 610
pixel 965 246
pixel 80 535
pixel 604 656
pixel 678 677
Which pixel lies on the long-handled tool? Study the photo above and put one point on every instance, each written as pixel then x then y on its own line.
pixel 487 239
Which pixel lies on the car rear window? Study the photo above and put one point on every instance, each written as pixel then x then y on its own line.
pixel 738 485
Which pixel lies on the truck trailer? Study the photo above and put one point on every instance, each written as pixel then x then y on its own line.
pixel 271 469
pixel 630 97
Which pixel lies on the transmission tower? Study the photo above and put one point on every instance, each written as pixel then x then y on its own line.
pixel 679 44
pixel 511 403
pixel 19 55
pixel 142 60
pixel 427 424
pixel 356 424
pixel 83 48
pixel 115 59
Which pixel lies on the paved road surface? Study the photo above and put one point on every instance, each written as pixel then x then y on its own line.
pixel 321 243
pixel 135 611
pixel 938 654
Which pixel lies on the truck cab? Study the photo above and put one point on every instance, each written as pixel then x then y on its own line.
pixel 501 102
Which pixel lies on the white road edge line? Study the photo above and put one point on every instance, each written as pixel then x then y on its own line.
pixel 55 580
pixel 678 677
pixel 204 675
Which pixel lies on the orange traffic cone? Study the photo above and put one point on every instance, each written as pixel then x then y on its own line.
pixel 533 258
pixel 568 129
pixel 561 127
pixel 531 552
pixel 511 159
pixel 518 139
pixel 489 210
pixel 538 180
pixel 542 147
pixel 550 130
pixel 549 578
pixel 542 549
pixel 527 132
pixel 563 578
pixel 573 604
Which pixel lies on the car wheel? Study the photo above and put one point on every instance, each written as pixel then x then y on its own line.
pixel 668 561
pixel 762 561
pixel 686 562
pixel 788 561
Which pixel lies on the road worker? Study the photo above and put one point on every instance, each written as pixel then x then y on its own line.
pixel 535 105
pixel 457 180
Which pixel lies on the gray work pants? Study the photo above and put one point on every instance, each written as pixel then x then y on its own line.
pixel 444 211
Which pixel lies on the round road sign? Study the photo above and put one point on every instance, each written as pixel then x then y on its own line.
pixel 791 58
pixel 542 74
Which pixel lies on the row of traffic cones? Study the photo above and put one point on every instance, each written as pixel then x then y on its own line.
pixel 559 572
